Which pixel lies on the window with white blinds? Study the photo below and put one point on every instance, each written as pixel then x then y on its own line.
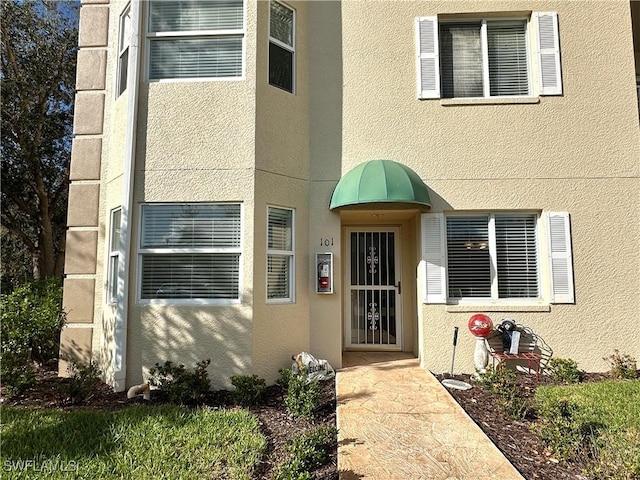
pixel 281 46
pixel 195 39
pixel 484 59
pixel 492 256
pixel 280 254
pixel 490 57
pixel 190 251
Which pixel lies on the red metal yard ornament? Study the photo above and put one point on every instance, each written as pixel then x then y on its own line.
pixel 480 325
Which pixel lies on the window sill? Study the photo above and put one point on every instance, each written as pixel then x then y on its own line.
pixel 448 102
pixel 479 307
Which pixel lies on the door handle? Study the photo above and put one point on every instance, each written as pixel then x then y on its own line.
pixel 399 288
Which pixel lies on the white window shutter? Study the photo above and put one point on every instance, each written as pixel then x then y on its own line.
pixel 433 255
pixel 560 258
pixel 428 63
pixel 548 52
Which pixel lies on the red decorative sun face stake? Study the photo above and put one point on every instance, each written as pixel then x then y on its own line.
pixel 480 325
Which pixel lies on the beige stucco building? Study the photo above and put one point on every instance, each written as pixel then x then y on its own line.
pixel 253 179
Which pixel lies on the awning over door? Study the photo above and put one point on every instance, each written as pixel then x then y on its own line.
pixel 380 182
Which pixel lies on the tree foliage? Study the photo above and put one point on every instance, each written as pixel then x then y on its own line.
pixel 39 44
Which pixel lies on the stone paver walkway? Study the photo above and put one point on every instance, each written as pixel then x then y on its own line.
pixel 396 421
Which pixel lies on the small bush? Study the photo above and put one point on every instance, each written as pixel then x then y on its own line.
pixel 32 317
pixel 285 377
pixel 83 380
pixel 517 406
pixel 563 370
pixel 180 385
pixel 500 381
pixel 622 366
pixel 307 452
pixel 303 396
pixel 250 390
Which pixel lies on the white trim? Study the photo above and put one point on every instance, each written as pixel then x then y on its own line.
pixel 282 253
pixel 112 253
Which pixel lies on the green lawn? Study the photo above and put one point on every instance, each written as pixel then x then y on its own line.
pixel 614 407
pixel 141 442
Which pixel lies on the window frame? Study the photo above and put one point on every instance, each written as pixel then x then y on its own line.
pixel 484 46
pixel 493 259
pixel 284 46
pixel 290 254
pixel 543 57
pixel 124 42
pixel 156 251
pixel 150 37
pixel 115 225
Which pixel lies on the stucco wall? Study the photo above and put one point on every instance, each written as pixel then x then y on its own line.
pixel 577 152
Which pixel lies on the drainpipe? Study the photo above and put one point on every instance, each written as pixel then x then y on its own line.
pixel 122 306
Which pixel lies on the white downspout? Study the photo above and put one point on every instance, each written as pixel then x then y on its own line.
pixel 122 307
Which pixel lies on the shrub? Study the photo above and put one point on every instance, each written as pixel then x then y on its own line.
pixel 500 381
pixel 83 380
pixel 285 377
pixel 32 317
pixel 181 386
pixel 250 390
pixel 303 396
pixel 563 370
pixel 307 452
pixel 622 366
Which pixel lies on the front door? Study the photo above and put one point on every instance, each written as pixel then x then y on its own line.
pixel 372 296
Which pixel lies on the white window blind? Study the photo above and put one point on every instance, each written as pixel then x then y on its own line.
pixel 190 251
pixel 508 65
pixel 195 38
pixel 517 257
pixel 280 254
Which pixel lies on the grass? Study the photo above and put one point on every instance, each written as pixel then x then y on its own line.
pixel 142 442
pixel 613 407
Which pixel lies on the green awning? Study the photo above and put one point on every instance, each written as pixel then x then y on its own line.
pixel 380 182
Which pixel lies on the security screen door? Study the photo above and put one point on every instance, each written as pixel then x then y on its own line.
pixel 373 314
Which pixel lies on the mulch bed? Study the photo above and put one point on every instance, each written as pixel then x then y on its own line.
pixel 277 424
pixel 515 438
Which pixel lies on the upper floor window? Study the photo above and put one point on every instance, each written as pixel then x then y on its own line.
pixel 195 39
pixel 281 46
pixel 489 57
pixel 280 254
pixel 124 38
pixel 497 257
pixel 190 252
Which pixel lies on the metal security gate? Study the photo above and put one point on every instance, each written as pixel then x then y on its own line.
pixel 373 290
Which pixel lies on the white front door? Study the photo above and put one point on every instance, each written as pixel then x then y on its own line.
pixel 373 289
